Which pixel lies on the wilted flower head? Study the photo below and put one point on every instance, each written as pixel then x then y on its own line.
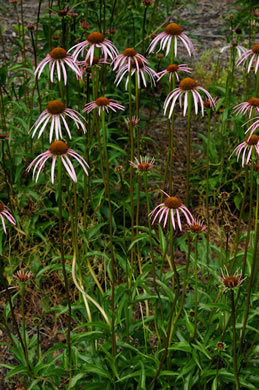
pixel 172 206
pixel 209 104
pixel 227 228
pixel 186 85
pixel 58 149
pixel 254 54
pixel 95 39
pixel 224 195
pixel 231 281
pixel 251 105
pixel 22 276
pixel 197 226
pixel 220 346
pixel 103 104
pixel 5 212
pixel 142 165
pixel 30 27
pixel 110 31
pixel 251 142
pixel 174 69
pixel 133 121
pixel 58 58
pixel 84 25
pixel 172 32
pixel 118 169
pixel 56 112
pixel 4 135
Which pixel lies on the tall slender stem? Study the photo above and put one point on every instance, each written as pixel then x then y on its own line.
pixel 188 148
pixel 107 188
pixel 63 262
pixel 132 253
pixel 234 340
pixel 196 285
pixel 207 189
pixel 253 268
pixel 171 127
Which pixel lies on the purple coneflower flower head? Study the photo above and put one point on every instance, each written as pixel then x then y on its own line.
pixel 56 112
pixel 171 206
pixel 142 69
pixel 172 32
pixel 133 121
pixel 254 54
pixel 95 39
pixel 103 104
pixel 174 69
pixel 230 282
pixel 58 149
pixel 128 57
pixel 240 49
pixel 254 125
pixel 5 212
pixel 142 165
pixel 248 107
pixel 197 226
pixel 22 276
pixel 250 143
pixel 186 85
pixel 58 58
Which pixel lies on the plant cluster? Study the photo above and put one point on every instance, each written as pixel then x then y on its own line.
pixel 144 283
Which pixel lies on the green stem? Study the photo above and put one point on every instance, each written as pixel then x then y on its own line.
pixel 207 189
pixel 132 253
pixel 257 84
pixel 169 330
pixel 188 148
pixel 250 214
pixel 253 268
pixel 196 285
pixel 107 188
pixel 235 245
pixel 22 288
pixel 171 235
pixel 63 262
pixel 143 29
pixel 171 128
pixel 234 340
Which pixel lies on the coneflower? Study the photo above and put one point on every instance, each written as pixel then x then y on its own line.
pixel 56 111
pixel 58 58
pixel 58 149
pixel 172 32
pixel 186 85
pixel 171 206
pixel 95 40
pixel 103 104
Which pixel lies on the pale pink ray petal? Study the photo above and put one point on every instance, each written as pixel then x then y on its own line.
pixel 3 223
pixel 172 217
pixel 178 219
